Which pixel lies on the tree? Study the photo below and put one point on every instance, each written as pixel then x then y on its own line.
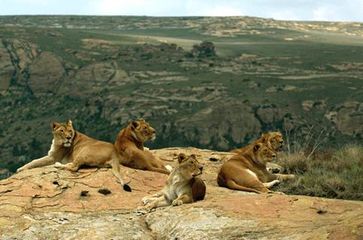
pixel 204 49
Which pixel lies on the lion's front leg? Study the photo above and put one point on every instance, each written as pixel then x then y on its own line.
pixel 40 162
pixel 73 167
pixel 182 199
pixel 158 202
pixel 151 198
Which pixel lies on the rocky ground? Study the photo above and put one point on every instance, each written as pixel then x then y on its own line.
pixel 47 203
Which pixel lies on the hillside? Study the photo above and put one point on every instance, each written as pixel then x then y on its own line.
pixel 46 203
pixel 303 78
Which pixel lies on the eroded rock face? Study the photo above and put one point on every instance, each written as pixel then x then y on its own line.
pixel 270 114
pixel 93 78
pixel 47 203
pixel 6 67
pixel 348 118
pixel 224 115
pixel 45 73
pixel 24 53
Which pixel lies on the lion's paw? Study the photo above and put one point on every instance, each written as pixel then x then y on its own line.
pixel 142 210
pixel 177 202
pixel 58 165
pixel 145 200
pixel 291 176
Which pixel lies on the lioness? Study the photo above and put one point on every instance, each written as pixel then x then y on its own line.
pixel 182 186
pixel 274 140
pixel 130 144
pixel 247 171
pixel 78 149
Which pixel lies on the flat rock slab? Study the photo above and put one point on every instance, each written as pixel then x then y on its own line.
pixel 47 203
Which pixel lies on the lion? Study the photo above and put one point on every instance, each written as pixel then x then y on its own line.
pixel 247 171
pixel 182 186
pixel 130 145
pixel 78 149
pixel 274 140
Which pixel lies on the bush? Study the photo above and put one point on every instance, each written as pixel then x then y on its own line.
pixel 205 49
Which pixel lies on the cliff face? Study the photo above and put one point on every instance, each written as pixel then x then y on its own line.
pixel 47 203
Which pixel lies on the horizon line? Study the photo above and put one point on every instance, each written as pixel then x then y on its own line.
pixel 166 16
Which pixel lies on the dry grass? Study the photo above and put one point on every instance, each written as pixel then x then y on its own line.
pixel 329 173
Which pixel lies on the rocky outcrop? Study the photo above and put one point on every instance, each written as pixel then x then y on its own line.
pixel 199 128
pixel 6 67
pixel 94 78
pixel 45 73
pixel 47 203
pixel 348 118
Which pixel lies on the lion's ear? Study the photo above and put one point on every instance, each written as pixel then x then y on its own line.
pixel 181 157
pixel 54 125
pixel 264 137
pixel 134 125
pixel 141 120
pixel 193 156
pixel 69 123
pixel 257 146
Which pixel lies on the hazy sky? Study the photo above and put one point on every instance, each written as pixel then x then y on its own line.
pixel 330 10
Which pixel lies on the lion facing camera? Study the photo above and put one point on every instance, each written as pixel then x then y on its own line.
pixel 183 185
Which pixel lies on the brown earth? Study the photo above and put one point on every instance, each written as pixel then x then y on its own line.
pixel 47 203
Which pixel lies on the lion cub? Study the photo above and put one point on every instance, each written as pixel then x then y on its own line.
pixel 247 171
pixel 182 186
pixel 130 144
pixel 78 149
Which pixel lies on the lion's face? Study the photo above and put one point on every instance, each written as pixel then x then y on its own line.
pixel 189 166
pixel 63 133
pixel 263 153
pixel 274 140
pixel 142 130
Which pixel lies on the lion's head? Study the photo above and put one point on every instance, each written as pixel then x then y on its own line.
pixel 189 166
pixel 263 153
pixel 274 140
pixel 63 133
pixel 142 131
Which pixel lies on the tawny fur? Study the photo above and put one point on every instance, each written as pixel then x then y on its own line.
pixel 247 171
pixel 274 140
pixel 183 185
pixel 130 145
pixel 77 150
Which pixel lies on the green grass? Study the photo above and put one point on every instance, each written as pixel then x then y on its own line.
pixel 329 173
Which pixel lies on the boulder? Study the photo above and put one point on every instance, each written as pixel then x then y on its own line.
pixel 46 203
pixel 93 78
pixel 348 118
pixel 211 126
pixel 46 72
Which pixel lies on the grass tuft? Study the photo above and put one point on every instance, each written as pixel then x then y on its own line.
pixel 332 174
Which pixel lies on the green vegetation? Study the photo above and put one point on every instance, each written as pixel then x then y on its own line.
pixel 205 82
pixel 327 173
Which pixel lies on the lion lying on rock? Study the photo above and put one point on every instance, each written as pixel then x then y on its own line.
pixel 78 149
pixel 247 171
pixel 130 144
pixel 182 186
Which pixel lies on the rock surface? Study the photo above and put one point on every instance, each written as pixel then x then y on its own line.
pixel 46 70
pixel 6 67
pixel 47 203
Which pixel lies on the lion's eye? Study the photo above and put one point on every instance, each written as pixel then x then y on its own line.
pixel 62 131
